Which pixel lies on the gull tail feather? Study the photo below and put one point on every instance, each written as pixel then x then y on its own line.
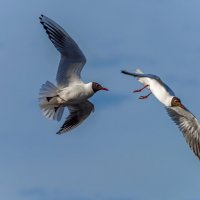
pixel 48 92
pixel 139 71
pixel 135 74
pixel 138 75
pixel 52 112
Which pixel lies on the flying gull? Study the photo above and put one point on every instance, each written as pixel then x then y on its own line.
pixel 185 120
pixel 70 91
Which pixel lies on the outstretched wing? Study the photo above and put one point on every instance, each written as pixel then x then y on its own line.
pixel 140 74
pixel 145 78
pixel 188 125
pixel 72 58
pixel 78 113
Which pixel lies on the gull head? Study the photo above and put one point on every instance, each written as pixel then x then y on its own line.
pixel 96 87
pixel 177 102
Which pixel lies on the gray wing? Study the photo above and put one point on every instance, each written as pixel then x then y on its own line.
pixel 72 58
pixel 143 78
pixel 188 125
pixel 139 75
pixel 78 113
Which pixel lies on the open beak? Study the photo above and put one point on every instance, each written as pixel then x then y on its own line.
pixel 105 89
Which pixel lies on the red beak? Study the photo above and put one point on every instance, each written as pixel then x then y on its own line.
pixel 105 89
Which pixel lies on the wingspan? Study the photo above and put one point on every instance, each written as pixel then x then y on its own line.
pixel 188 125
pixel 78 113
pixel 72 58
pixel 140 75
pixel 146 78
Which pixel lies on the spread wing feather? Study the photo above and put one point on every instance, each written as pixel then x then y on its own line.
pixel 188 125
pixel 72 58
pixel 78 113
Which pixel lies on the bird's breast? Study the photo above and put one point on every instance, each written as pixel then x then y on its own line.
pixel 161 92
pixel 73 95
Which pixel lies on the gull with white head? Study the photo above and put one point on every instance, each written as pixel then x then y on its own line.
pixel 186 121
pixel 71 91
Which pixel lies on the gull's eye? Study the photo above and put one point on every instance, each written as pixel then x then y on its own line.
pixel 177 101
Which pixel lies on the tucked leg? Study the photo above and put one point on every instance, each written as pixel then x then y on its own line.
pixel 145 97
pixel 141 89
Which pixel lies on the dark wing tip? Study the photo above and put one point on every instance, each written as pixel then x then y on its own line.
pixel 58 133
pixel 123 71
pixel 127 73
pixel 61 131
pixel 41 16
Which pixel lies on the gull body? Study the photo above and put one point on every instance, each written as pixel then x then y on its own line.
pixel 158 88
pixel 70 91
pixel 74 94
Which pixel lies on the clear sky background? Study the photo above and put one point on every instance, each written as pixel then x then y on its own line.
pixel 128 149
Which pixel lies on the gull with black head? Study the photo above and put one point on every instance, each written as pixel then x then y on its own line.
pixel 186 121
pixel 71 91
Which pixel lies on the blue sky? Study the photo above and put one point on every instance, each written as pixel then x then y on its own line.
pixel 128 149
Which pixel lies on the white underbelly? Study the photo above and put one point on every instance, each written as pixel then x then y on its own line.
pixel 161 94
pixel 73 95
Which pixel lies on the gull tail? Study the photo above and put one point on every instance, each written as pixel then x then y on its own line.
pixel 139 71
pixel 51 110
pixel 139 75
pixel 127 73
